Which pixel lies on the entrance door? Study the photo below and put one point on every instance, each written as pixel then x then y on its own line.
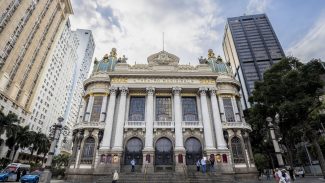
pixel 164 152
pixel 193 150
pixel 133 150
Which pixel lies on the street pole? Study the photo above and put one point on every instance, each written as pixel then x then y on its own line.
pixel 275 143
pixel 47 175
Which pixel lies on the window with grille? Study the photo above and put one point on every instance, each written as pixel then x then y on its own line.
pixel 88 151
pixel 97 106
pixel 163 109
pixel 189 109
pixel 237 150
pixel 229 111
pixel 137 109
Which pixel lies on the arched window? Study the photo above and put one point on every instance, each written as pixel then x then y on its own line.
pixel 88 151
pixel 237 150
pixel 133 150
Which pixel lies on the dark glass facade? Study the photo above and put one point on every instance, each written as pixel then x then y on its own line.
pixel 251 46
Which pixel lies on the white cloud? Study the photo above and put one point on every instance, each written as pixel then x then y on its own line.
pixel 312 44
pixel 135 27
pixel 257 6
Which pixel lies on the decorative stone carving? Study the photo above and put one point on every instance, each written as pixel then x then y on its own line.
pixel 177 90
pixel 112 90
pixel 150 90
pixel 203 90
pixel 163 58
pixel 124 90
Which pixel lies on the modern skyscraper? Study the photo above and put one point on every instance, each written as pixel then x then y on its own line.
pixel 27 31
pixel 85 52
pixel 250 46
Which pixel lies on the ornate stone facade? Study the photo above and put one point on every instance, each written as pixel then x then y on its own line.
pixel 164 115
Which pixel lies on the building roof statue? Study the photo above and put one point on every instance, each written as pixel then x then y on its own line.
pixel 216 63
pixel 108 62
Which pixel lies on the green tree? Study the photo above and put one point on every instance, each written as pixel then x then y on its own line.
pixel 20 139
pixel 8 123
pixel 292 91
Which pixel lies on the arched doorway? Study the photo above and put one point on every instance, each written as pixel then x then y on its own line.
pixel 133 149
pixel 164 152
pixel 193 150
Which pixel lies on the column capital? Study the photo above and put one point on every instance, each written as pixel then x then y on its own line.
pixel 213 90
pixel 124 90
pixel 177 90
pixel 203 91
pixel 150 90
pixel 112 90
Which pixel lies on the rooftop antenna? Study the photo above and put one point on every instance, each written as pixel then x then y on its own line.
pixel 163 41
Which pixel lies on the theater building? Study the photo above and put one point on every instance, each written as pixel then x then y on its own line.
pixel 163 114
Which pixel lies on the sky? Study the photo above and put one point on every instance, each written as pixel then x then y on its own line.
pixel 191 27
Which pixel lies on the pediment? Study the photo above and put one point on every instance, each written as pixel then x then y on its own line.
pixel 163 58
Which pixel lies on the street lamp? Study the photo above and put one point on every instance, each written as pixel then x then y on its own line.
pixel 55 132
pixel 275 142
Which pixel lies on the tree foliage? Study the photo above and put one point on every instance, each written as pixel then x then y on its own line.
pixel 291 90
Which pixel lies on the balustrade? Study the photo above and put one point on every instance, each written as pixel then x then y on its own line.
pixel 164 124
pixel 135 124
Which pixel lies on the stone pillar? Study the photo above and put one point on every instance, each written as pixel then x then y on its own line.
pixel 89 107
pixel 206 120
pixel 109 120
pixel 179 145
pixel 118 142
pixel 148 151
pixel 221 143
pixel 149 119
pixel 178 119
pixel 103 109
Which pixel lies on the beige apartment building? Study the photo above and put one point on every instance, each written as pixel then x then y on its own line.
pixel 28 29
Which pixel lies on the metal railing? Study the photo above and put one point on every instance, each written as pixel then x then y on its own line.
pixel 164 124
pixel 135 124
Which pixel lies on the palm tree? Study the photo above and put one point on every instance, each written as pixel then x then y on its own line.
pixel 43 146
pixel 8 123
pixel 20 139
pixel 40 140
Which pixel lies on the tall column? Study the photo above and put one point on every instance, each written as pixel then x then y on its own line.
pixel 206 120
pixel 178 119
pixel 149 119
pixel 89 107
pixel 103 109
pixel 109 119
pixel 221 143
pixel 118 142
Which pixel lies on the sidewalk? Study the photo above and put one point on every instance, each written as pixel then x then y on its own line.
pixel 311 179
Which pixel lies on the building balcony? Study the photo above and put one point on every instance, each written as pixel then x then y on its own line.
pixel 163 124
pixel 239 125
pixel 135 124
pixel 192 124
pixel 91 124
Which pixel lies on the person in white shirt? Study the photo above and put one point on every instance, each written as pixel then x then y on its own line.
pixel 115 177
pixel 133 164
pixel 203 164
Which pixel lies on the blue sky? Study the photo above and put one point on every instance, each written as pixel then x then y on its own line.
pixel 191 27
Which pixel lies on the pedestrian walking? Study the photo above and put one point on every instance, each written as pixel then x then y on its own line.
pixel 292 177
pixel 115 177
pixel 277 175
pixel 203 164
pixel 285 178
pixel 211 164
pixel 198 164
pixel 133 164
